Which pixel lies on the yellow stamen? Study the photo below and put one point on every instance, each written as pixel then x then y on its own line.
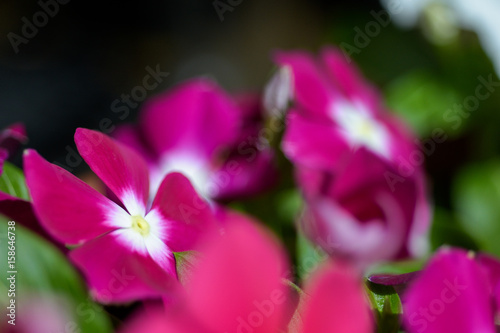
pixel 140 225
pixel 366 129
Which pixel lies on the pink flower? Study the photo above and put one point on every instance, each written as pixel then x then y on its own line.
pixel 125 249
pixel 347 151
pixel 456 292
pixel 238 287
pixel 197 129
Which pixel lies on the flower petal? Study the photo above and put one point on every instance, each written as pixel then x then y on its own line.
pixel 313 144
pixel 348 79
pixel 129 135
pixel 245 176
pixel 197 117
pixel 237 285
pixel 357 203
pixel 119 167
pixel 450 295
pixel 22 212
pixel 70 210
pixel 188 215
pixel 116 274
pixel 337 302
pixel 311 89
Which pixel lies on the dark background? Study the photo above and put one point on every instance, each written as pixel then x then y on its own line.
pixel 91 52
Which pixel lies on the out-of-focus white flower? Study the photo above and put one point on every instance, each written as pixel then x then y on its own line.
pixel 480 16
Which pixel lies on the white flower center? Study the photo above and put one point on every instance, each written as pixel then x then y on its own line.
pixel 360 128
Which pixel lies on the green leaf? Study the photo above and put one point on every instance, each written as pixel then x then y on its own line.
pixel 388 309
pixel 398 267
pixel 309 256
pixel 12 182
pixel 43 270
pixel 184 264
pixel 422 100
pixel 477 201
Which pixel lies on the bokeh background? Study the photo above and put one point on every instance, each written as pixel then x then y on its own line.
pixel 427 62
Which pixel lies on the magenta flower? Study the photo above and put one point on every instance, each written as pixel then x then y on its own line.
pixel 238 287
pixel 125 248
pixel 456 292
pixel 355 214
pixel 198 130
pixel 347 152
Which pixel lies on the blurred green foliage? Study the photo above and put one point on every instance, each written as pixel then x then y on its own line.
pixel 477 202
pixel 12 182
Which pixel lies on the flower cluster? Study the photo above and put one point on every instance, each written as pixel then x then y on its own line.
pixel 346 148
pixel 162 231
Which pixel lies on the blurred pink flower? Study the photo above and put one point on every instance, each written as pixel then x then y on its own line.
pixel 238 287
pixel 15 208
pixel 124 248
pixel 199 130
pixel 457 292
pixel 348 153
pixel 40 313
pixel 11 138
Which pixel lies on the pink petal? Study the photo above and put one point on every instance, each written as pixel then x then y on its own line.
pixel 491 266
pixel 355 175
pixel 39 311
pixel 70 210
pixel 312 90
pixel 354 212
pixel 188 215
pixel 245 176
pixel 237 286
pixel 129 135
pixel 450 295
pixel 348 79
pixel 116 274
pixel 197 116
pixel 313 144
pixel 249 105
pixel 22 212
pixel 418 238
pixel 337 302
pixel 119 167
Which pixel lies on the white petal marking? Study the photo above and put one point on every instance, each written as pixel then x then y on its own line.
pixel 360 128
